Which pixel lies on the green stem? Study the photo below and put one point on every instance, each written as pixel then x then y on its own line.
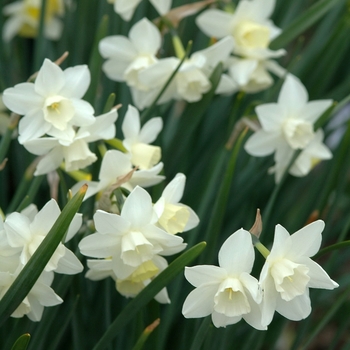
pixel 331 248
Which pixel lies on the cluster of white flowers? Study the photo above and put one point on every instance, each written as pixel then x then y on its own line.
pixel 131 246
pixel 134 61
pixel 287 126
pixel 229 293
pixel 57 124
pixel 246 33
pixel 20 236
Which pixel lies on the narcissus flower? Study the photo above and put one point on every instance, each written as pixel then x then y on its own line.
pixel 126 57
pixel 39 296
pixel 249 25
pixel 288 125
pixel 72 149
pixel 190 82
pixel 25 19
pixel 229 293
pixel 129 239
pixel 25 235
pixel 137 140
pixel 52 105
pixel 173 216
pixel 289 272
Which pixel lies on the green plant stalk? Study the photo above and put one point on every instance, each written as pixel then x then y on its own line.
pixel 302 23
pixel 147 294
pixel 36 264
pixel 331 248
pixel 145 115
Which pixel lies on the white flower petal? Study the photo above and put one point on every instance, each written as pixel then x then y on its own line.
pixel 318 276
pixel 200 302
pixel 32 125
pixel 293 94
pixel 137 208
pixel 50 79
pixel 162 6
pixel 98 245
pixel 45 219
pixel 77 81
pixel 145 37
pixel 205 274
pixel 50 162
pixel 215 23
pixel 296 309
pixel 314 109
pixel 150 130
pixel 236 255
pixel 173 192
pixel 110 224
pixel 22 98
pixel 131 123
pixel 271 116
pixel 118 47
pixel 307 240
pixel 69 264
pixel 262 143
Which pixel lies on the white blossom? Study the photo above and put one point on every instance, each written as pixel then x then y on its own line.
pixel 289 272
pixel 228 292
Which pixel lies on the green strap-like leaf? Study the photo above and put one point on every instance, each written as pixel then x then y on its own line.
pixel 302 23
pixel 36 264
pixel 22 342
pixel 148 294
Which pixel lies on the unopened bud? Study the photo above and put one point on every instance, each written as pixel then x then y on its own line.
pixel 257 227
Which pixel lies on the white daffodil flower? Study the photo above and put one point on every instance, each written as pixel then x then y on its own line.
pixel 26 235
pixel 228 292
pixel 310 156
pixel 249 25
pixel 190 82
pixel 289 272
pixel 288 124
pixel 175 217
pixel 129 239
pixel 252 31
pixel 116 165
pixel 137 140
pixel 52 105
pixel 39 296
pixel 25 19
pixel 74 150
pixel 126 57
